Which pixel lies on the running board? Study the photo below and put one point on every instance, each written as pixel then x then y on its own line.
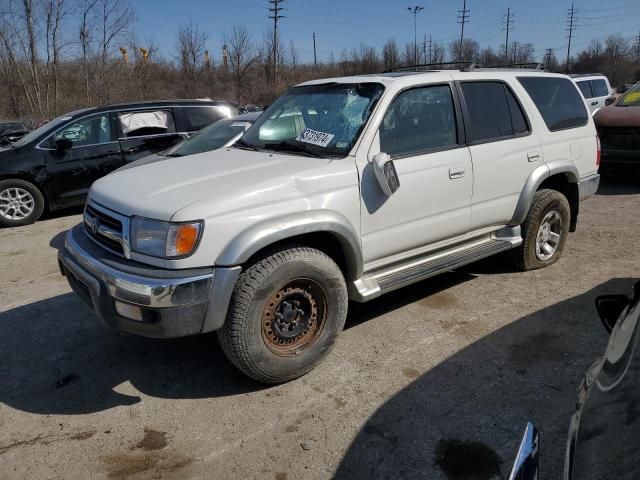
pixel 374 284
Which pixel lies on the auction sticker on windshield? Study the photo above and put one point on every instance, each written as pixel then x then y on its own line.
pixel 315 138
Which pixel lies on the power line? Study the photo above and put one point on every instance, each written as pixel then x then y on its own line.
pixel 275 10
pixel 508 24
pixel 463 17
pixel 571 26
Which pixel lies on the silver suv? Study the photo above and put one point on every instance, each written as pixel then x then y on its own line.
pixel 346 188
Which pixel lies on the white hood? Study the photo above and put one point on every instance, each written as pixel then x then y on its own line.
pixel 228 178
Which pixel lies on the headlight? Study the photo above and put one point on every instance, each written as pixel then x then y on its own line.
pixel 164 239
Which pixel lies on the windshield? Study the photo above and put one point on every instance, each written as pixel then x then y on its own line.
pixel 209 138
pixel 43 130
pixel 6 128
pixel 323 120
pixel 631 98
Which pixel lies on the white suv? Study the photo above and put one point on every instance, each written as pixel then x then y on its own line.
pixel 595 89
pixel 345 188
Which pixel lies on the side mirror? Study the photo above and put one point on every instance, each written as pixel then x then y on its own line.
pixel 386 173
pixel 609 309
pixel 63 144
pixel 609 101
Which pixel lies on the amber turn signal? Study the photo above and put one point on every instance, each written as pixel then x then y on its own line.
pixel 182 239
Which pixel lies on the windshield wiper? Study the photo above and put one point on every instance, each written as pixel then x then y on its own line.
pixel 242 145
pixel 173 155
pixel 293 148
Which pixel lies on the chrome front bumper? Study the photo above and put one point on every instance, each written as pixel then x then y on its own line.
pixel 172 303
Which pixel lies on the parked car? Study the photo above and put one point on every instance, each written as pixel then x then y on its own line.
pixel 619 131
pixel 11 132
pixel 346 188
pixel 54 166
pixel 595 89
pixel 220 134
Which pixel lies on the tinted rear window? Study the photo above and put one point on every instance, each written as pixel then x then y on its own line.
pixel 199 117
pixel 557 100
pixel 599 88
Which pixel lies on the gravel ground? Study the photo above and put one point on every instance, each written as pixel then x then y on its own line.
pixel 423 382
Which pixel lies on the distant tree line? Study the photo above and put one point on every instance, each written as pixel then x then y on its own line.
pixel 59 55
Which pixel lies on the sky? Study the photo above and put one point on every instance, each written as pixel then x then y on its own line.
pixel 341 24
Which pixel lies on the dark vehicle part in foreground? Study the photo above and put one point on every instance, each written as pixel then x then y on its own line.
pixel 11 132
pixel 619 130
pixel 603 435
pixel 54 166
pixel 604 431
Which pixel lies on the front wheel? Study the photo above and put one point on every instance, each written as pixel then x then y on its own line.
pixel 544 231
pixel 21 203
pixel 285 314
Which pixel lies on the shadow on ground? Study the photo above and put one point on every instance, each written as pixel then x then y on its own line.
pixel 471 409
pixel 619 184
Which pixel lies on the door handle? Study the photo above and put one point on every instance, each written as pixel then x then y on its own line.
pixel 129 150
pixel 533 156
pixel 594 103
pixel 455 173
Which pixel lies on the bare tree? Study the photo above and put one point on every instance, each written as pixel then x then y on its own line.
pixel 191 45
pixel 86 11
pixel 242 56
pixel 469 51
pixel 390 54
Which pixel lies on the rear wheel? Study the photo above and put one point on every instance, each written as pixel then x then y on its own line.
pixel 21 203
pixel 286 311
pixel 544 231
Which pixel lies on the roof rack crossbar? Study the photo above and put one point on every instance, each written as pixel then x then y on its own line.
pixel 425 65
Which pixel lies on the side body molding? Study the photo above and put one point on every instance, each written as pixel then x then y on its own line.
pixel 534 181
pixel 272 230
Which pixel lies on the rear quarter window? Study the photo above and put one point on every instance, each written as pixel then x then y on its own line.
pixel 196 118
pixel 557 100
pixel 599 88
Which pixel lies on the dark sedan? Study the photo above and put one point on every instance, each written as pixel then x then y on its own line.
pixel 54 166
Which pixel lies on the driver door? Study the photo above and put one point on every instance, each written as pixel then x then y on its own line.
pixel 93 152
pixel 422 133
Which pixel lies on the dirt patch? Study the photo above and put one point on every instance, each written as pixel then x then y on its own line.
pixel 38 440
pixel 410 373
pixel 152 440
pixel 461 460
pixel 123 466
pixel 281 476
pixel 542 346
pixel 83 435
pixel 439 301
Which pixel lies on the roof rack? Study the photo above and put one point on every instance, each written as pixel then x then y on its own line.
pixel 426 66
pixel 529 65
pixel 578 75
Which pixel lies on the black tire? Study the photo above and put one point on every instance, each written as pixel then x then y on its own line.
pixel 36 195
pixel 527 257
pixel 303 277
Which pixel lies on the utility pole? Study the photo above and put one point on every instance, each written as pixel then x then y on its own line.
pixel 424 48
pixel 315 57
pixel 430 50
pixel 570 29
pixel 638 48
pixel 463 17
pixel 415 11
pixel 274 15
pixel 548 55
pixel 508 24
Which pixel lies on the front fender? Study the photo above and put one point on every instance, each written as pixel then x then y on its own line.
pixel 265 233
pixel 534 181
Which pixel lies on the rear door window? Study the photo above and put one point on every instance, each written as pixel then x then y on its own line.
pixel 557 100
pixel 599 88
pixel 144 123
pixel 585 88
pixel 489 112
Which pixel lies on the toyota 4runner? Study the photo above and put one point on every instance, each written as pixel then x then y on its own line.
pixel 346 188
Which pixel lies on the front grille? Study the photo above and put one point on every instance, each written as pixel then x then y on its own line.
pixel 106 228
pixel 620 138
